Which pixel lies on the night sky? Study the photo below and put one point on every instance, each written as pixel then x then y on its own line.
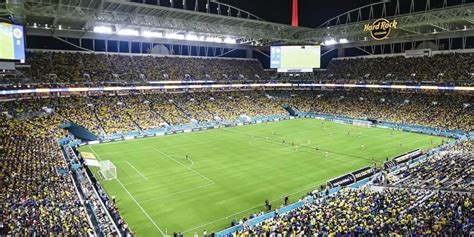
pixel 314 12
pixel 311 12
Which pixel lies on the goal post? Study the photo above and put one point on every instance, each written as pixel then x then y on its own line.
pixel 108 170
pixel 362 123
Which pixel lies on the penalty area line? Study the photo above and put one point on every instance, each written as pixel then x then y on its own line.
pixel 186 167
pixel 136 170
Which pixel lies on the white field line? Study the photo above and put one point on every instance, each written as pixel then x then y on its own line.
pixel 178 192
pixel 138 204
pixel 95 153
pixel 134 182
pixel 125 151
pixel 205 186
pixel 248 209
pixel 136 170
pixel 141 208
pixel 188 168
pixel 217 220
pixel 148 175
pixel 192 162
pixel 286 148
pixel 342 152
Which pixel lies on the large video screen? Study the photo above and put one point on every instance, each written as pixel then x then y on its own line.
pixel 295 58
pixel 12 42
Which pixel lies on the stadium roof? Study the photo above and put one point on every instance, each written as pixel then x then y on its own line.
pixel 220 23
pixel 446 22
pixel 78 19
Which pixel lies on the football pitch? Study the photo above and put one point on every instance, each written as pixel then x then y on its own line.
pixel 202 180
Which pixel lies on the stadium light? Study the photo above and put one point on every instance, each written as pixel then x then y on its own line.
pixel 343 41
pixel 130 32
pixel 193 37
pixel 174 36
pixel 228 40
pixel 330 42
pixel 103 29
pixel 213 39
pixel 152 34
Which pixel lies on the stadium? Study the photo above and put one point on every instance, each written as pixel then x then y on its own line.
pixel 236 118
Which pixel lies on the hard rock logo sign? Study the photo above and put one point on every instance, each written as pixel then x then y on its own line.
pixel 381 28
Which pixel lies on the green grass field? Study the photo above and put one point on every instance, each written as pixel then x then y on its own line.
pixel 231 171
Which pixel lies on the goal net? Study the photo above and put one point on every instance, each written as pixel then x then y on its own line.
pixel 362 123
pixel 108 170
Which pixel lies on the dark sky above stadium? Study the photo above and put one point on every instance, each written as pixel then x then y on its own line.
pixel 314 12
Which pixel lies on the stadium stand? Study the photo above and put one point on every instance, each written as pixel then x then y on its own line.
pixel 80 67
pixel 75 67
pixel 447 170
pixel 86 68
pixel 38 195
pixel 31 129
pixel 450 67
pixel 450 111
pixel 112 113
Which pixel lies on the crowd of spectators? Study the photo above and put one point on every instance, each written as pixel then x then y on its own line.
pixel 37 194
pixel 82 67
pixel 376 210
pixel 140 111
pixel 439 68
pixel 446 170
pixel 78 108
pixel 72 67
pixel 114 113
pixel 103 221
pixel 448 111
